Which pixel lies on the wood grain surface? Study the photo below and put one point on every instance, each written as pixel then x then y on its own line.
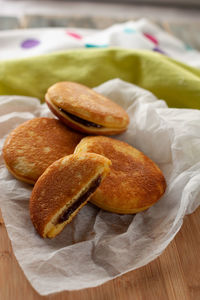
pixel 174 275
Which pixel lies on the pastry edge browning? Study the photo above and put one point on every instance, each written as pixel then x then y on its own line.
pixel 86 103
pixel 26 144
pixel 84 147
pixel 120 211
pixel 24 179
pixel 21 178
pixel 78 126
pixel 47 228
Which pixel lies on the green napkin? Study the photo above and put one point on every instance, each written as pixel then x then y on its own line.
pixel 176 83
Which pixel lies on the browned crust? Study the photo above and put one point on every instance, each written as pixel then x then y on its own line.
pixel 79 127
pixel 21 178
pixel 85 103
pixel 34 145
pixel 135 182
pixel 60 183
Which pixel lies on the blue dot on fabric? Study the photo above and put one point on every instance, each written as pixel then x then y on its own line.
pixel 95 46
pixel 129 30
pixel 188 47
pixel 30 43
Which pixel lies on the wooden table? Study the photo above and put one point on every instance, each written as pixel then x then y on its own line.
pixel 174 275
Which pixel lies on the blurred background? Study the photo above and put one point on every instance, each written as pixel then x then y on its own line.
pixel 178 17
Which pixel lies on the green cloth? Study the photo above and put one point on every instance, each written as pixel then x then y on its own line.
pixel 175 82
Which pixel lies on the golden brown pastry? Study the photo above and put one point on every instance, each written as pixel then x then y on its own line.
pixel 135 182
pixel 85 110
pixel 63 189
pixel 34 145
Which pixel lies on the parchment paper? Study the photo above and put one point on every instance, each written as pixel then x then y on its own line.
pixel 98 246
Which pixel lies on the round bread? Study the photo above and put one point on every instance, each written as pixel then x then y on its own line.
pixel 85 110
pixel 63 189
pixel 135 182
pixel 34 145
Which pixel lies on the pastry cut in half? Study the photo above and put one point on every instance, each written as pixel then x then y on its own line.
pixel 134 183
pixel 34 145
pixel 63 189
pixel 85 110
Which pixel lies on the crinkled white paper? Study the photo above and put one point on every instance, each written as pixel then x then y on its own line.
pixel 98 246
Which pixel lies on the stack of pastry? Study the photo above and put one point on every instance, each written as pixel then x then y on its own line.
pixel 70 160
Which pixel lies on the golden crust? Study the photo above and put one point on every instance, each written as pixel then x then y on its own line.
pixel 34 145
pixel 77 126
pixel 60 184
pixel 135 182
pixel 87 104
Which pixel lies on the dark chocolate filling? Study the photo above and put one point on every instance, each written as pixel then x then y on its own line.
pixel 80 120
pixel 65 215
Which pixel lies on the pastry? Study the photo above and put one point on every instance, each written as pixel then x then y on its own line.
pixel 135 182
pixel 63 189
pixel 85 110
pixel 34 145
